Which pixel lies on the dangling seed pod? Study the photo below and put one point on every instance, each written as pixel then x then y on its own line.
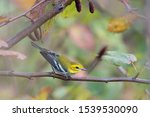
pixel 78 5
pixel 91 7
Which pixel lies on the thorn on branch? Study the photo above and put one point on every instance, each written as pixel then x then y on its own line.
pixel 136 75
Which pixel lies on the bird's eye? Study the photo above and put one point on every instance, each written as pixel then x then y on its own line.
pixel 77 67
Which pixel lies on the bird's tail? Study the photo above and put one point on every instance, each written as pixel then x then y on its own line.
pixel 36 46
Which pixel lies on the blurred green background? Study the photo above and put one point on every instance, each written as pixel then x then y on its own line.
pixel 79 36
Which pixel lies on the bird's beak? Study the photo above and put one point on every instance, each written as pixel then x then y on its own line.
pixel 83 69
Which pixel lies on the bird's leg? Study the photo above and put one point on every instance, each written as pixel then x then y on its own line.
pixel 53 70
pixel 67 75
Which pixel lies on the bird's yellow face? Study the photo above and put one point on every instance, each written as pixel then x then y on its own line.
pixel 75 68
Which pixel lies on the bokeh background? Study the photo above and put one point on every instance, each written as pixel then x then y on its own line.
pixel 79 36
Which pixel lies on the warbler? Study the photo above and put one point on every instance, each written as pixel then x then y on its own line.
pixel 60 63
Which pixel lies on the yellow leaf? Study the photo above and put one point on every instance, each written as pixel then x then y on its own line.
pixel 70 11
pixel 46 26
pixel 118 25
pixel 121 24
pixel 43 94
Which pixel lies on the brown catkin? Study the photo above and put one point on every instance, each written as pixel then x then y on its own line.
pixel 91 7
pixel 78 5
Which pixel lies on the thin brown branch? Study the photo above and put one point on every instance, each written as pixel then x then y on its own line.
pixel 28 30
pixel 126 4
pixel 61 77
pixel 97 59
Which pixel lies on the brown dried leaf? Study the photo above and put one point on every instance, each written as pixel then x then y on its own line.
pixel 82 36
pixel 12 53
pixel 3 44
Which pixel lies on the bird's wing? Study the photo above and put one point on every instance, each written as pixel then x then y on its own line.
pixel 52 58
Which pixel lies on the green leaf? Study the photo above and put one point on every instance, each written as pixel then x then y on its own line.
pixel 46 26
pixel 118 58
pixel 70 11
